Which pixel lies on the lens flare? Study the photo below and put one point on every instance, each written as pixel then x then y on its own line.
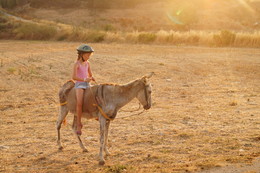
pixel 175 19
pixel 178 12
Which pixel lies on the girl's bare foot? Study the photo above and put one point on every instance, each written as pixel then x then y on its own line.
pixel 79 129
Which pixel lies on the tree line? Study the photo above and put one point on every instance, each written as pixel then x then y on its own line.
pixel 91 4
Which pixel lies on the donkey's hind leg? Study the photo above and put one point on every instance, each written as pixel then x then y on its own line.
pixel 62 114
pixel 74 128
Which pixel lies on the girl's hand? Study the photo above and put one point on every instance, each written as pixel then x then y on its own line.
pixel 87 79
pixel 92 78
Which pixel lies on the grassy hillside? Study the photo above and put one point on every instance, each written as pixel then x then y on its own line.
pixel 202 22
pixel 143 15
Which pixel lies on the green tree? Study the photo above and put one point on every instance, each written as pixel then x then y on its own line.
pixel 8 3
pixel 3 3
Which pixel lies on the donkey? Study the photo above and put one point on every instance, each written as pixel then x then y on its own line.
pixel 102 102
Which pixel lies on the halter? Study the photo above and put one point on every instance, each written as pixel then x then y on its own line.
pixel 146 98
pixel 145 93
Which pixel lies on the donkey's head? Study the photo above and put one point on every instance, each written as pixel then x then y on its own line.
pixel 144 95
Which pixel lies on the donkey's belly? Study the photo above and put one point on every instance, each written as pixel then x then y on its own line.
pixel 89 115
pixel 86 114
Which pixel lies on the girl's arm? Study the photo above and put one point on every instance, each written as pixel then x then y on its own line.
pixel 90 72
pixel 74 73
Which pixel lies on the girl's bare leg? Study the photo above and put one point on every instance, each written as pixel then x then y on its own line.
pixel 79 94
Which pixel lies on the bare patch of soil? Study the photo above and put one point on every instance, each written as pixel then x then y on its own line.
pixel 205 111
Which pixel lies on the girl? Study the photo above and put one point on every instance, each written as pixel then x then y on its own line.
pixel 82 75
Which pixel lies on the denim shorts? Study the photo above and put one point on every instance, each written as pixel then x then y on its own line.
pixel 83 85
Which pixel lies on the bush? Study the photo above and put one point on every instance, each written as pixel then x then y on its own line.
pixel 6 27
pixel 81 34
pixel 76 34
pixel 225 38
pixel 54 3
pixel 8 3
pixel 3 23
pixel 35 31
pixel 108 27
pixel 146 37
pixel 95 36
pixel 117 169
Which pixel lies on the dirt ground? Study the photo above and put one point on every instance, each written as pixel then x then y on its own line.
pixel 205 113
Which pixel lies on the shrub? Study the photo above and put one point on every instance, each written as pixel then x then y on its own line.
pixel 95 36
pixel 244 39
pixel 54 3
pixel 108 27
pixel 8 3
pixel 3 23
pixel 117 169
pixel 6 27
pixel 11 70
pixel 225 38
pixel 175 38
pixel 114 37
pixel 193 39
pixel 35 31
pixel 76 34
pixel 146 37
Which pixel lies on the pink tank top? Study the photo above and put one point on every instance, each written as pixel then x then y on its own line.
pixel 82 70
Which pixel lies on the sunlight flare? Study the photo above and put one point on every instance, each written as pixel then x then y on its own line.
pixel 246 6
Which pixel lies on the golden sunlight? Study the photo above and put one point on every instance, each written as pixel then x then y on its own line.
pixel 246 6
pixel 211 14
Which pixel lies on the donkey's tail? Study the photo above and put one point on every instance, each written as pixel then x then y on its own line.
pixel 64 91
pixel 64 122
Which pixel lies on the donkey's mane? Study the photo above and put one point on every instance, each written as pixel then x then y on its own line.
pixel 113 84
pixel 124 85
pixel 130 84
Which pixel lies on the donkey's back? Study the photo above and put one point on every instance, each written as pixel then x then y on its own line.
pixel 67 96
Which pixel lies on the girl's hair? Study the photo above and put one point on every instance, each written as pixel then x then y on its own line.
pixel 80 54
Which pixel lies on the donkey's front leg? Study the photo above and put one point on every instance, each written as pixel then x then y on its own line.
pixel 106 137
pixel 102 122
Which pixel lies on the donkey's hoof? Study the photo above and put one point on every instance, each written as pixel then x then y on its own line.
pixel 101 162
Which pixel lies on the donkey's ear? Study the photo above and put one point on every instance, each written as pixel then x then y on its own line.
pixel 149 75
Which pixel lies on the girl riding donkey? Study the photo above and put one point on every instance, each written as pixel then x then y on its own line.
pixel 82 75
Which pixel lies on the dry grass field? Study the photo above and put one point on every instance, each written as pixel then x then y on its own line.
pixel 205 111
